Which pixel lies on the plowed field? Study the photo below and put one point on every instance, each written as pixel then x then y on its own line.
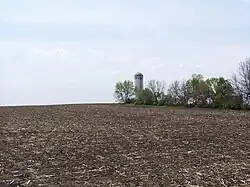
pixel 113 145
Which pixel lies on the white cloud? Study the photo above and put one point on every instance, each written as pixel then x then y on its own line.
pixel 91 68
pixel 165 40
pixel 181 66
pixel 58 52
pixel 245 1
pixel 161 14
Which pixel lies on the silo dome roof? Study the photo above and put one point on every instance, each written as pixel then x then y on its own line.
pixel 138 74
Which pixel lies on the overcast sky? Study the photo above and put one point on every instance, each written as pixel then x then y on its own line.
pixel 69 51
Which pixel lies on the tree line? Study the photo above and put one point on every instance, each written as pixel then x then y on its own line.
pixel 197 91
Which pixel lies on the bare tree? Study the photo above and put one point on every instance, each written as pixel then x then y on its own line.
pixel 178 92
pixel 157 88
pixel 241 80
pixel 184 92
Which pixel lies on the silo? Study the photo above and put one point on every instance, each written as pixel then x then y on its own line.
pixel 138 81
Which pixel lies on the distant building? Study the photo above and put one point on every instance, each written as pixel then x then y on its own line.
pixel 209 101
pixel 191 101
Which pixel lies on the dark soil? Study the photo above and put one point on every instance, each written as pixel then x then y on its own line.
pixel 112 145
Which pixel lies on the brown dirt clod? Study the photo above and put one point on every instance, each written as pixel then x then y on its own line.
pixel 113 145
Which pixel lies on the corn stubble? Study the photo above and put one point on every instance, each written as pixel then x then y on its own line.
pixel 112 145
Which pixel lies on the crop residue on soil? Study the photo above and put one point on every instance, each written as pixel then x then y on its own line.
pixel 112 145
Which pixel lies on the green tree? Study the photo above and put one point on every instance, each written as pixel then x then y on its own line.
pixel 124 91
pixel 221 90
pixel 145 97
pixel 198 89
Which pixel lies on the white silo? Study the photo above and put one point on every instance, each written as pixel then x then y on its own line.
pixel 138 81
